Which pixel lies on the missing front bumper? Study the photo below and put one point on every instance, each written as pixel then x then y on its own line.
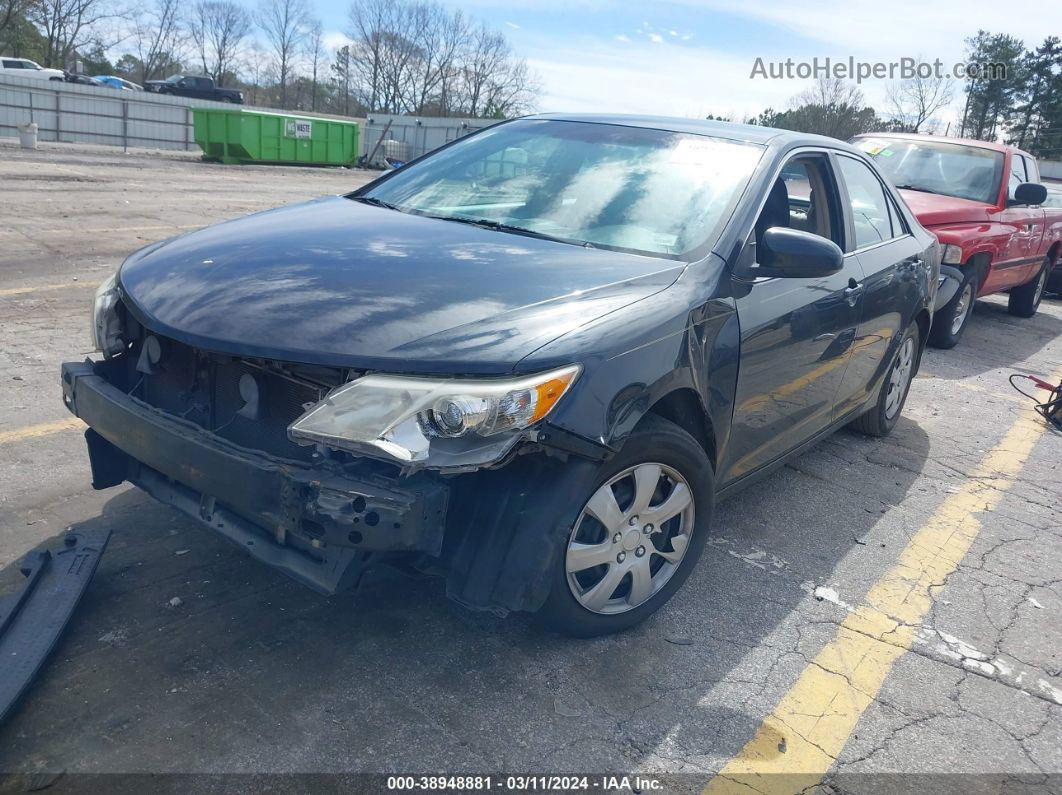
pixel 316 524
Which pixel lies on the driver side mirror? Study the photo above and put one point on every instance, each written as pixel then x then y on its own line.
pixel 793 254
pixel 1029 193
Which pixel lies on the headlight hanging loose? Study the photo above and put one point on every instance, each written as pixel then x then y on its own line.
pixel 436 422
pixel 106 321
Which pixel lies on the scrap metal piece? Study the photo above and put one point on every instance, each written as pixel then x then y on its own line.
pixel 32 620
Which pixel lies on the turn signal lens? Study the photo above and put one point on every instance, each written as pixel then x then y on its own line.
pixel 952 255
pixel 547 394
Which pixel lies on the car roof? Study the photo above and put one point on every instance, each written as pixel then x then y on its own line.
pixel 736 131
pixel 945 140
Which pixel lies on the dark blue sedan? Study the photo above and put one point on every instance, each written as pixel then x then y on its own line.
pixel 530 361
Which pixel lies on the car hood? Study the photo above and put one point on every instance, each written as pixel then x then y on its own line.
pixel 932 209
pixel 334 281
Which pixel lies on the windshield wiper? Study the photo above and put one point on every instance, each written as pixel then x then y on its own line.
pixel 921 189
pixel 377 202
pixel 498 226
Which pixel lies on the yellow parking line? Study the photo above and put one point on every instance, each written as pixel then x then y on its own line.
pixel 21 290
pixel 45 428
pixel 797 743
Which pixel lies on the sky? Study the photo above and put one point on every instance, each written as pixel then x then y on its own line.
pixel 690 58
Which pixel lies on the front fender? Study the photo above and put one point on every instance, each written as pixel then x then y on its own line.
pixel 974 239
pixel 682 338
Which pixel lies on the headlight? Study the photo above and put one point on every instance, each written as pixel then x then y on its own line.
pixel 437 422
pixel 952 255
pixel 106 322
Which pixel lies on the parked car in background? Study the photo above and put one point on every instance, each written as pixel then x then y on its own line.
pixel 1054 201
pixel 529 361
pixel 24 67
pixel 84 80
pixel 985 203
pixel 119 82
pixel 194 86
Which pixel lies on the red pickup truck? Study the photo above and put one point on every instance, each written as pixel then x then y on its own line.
pixel 984 202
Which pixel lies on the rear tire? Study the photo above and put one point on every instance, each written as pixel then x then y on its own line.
pixel 1025 300
pixel 953 318
pixel 892 395
pixel 630 553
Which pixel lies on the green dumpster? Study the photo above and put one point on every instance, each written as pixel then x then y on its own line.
pixel 254 136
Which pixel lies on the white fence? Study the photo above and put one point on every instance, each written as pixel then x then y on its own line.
pixel 75 113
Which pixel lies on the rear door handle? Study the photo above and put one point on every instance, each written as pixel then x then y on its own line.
pixel 852 291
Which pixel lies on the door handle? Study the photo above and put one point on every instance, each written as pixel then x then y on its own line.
pixel 852 291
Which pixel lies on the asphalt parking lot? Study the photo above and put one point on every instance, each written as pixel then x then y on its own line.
pixel 886 611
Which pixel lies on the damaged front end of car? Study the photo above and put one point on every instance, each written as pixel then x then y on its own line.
pixel 321 471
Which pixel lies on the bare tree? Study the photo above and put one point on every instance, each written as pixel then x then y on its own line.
pixel 384 34
pixel 256 63
pixel 494 83
pixel 66 26
pixel 315 52
pixel 441 37
pixel 828 91
pixel 158 37
pixel 343 78
pixel 829 107
pixel 218 27
pixel 417 56
pixel 914 102
pixel 285 24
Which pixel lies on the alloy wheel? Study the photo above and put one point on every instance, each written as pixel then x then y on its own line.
pixel 630 538
pixel 1040 283
pixel 900 377
pixel 962 308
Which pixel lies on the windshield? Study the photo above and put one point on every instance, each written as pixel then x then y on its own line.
pixel 966 172
pixel 173 79
pixel 627 188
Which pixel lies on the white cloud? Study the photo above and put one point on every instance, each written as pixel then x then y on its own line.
pixel 582 75
pixel 513 25
pixel 869 30
pixel 333 40
pixel 656 38
pixel 621 37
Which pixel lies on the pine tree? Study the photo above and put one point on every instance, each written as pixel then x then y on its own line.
pixel 1040 71
pixel 990 95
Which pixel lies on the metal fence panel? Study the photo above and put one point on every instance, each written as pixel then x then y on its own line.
pixel 419 134
pixel 75 113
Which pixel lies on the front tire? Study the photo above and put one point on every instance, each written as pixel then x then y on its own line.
pixel 953 318
pixel 1025 300
pixel 892 395
pixel 638 536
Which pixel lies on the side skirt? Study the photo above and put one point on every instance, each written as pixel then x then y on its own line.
pixel 742 483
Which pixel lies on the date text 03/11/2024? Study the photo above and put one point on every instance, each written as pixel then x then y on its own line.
pixel 524 783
